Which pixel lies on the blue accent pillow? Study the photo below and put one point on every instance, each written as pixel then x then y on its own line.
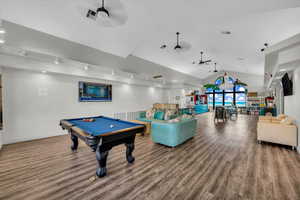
pixel 143 114
pixel 159 115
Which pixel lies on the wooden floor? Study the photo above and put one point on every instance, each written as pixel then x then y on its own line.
pixel 221 162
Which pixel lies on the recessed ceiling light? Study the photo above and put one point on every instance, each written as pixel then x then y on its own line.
pixel 2 41
pixel 57 61
pixel 226 32
pixel 282 70
pixel 44 71
pixel 2 30
pixel 86 67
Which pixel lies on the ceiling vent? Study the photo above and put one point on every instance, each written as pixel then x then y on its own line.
pixel 157 77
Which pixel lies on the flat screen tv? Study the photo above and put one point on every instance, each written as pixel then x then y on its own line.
pixel 89 92
pixel 287 85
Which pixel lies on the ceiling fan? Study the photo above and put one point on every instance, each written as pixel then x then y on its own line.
pixel 100 12
pixel 201 61
pixel 110 13
pixel 215 70
pixel 177 44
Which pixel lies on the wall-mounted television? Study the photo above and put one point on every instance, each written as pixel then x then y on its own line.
pixel 287 85
pixel 89 92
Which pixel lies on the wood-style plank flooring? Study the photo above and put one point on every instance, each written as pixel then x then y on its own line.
pixel 220 162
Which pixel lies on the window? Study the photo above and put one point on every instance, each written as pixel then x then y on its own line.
pixel 228 99
pixel 235 96
pixel 240 99
pixel 218 99
pixel 240 88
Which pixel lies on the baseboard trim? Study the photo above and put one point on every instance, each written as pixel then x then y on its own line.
pixel 18 140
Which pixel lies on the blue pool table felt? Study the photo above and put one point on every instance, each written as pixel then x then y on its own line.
pixel 101 125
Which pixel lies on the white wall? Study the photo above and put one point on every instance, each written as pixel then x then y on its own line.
pixel 181 93
pixel 173 93
pixel 292 103
pixel 35 102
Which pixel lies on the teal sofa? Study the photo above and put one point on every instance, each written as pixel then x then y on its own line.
pixel 173 133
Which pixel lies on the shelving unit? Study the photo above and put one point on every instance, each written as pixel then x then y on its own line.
pixel 258 101
pixel 254 104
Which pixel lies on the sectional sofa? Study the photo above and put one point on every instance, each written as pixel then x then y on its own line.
pixel 172 132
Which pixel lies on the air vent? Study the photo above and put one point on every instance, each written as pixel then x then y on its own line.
pixel 157 76
pixel 226 32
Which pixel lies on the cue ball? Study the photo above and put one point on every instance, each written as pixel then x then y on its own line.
pixel 111 126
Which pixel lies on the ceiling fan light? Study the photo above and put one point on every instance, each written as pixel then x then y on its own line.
pixel 102 13
pixel 177 47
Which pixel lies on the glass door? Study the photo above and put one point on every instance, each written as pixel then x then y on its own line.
pixel 228 99
pixel 240 99
pixel 218 99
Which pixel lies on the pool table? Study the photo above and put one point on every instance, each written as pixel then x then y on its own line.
pixel 102 134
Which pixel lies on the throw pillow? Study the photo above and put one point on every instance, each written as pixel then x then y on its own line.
pixel 153 112
pixel 149 114
pixel 281 116
pixel 168 115
pixel 288 121
pixel 159 115
pixel 143 114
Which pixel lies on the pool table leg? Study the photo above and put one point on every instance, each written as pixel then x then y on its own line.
pixel 74 145
pixel 101 158
pixel 129 150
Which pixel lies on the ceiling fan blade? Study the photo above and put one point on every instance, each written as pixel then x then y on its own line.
pixel 207 61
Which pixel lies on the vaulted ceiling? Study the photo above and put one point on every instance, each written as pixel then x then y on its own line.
pixel 147 25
